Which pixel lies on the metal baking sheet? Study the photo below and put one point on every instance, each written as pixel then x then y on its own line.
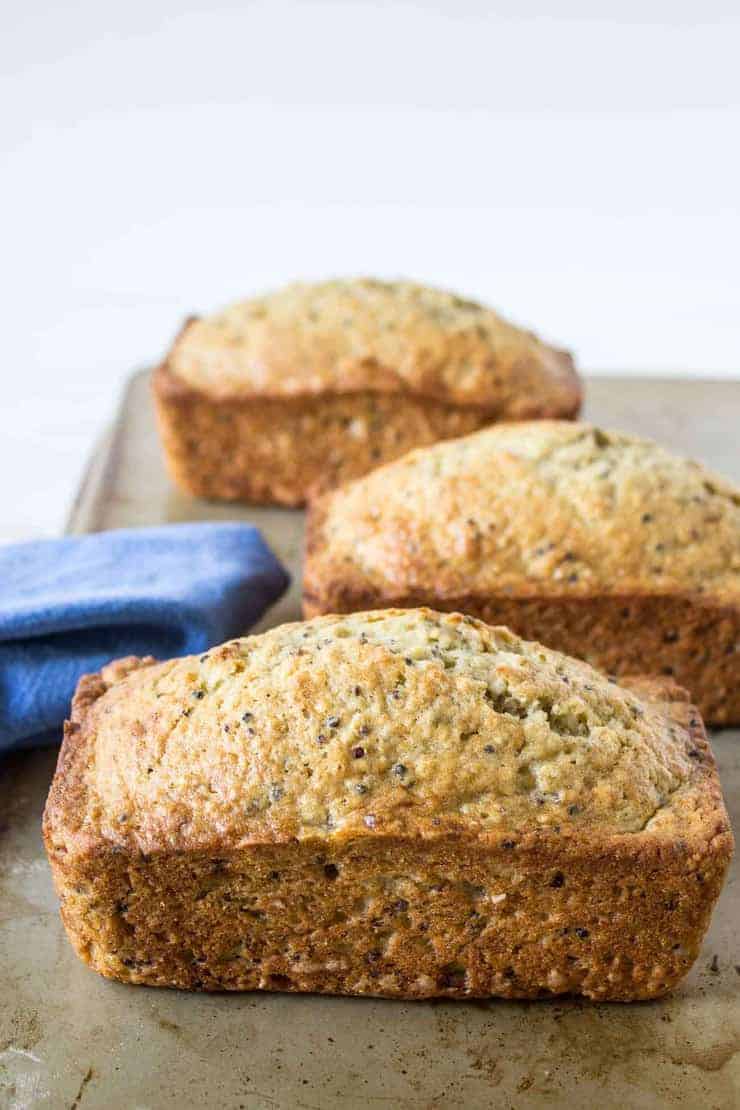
pixel 71 1039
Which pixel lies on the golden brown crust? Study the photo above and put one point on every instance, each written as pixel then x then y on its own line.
pixel 600 545
pixel 689 638
pixel 277 399
pixel 67 804
pixel 389 918
pixel 447 905
pixel 359 335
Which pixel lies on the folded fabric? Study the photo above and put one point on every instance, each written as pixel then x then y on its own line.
pixel 69 606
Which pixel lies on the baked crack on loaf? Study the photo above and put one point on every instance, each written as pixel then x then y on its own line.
pixel 279 397
pixel 596 543
pixel 401 803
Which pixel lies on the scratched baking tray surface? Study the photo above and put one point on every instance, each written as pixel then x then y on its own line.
pixel 71 1039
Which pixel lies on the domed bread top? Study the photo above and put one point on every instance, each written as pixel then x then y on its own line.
pixel 409 722
pixel 542 508
pixel 351 336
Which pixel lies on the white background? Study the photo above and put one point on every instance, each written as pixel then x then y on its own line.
pixel 576 164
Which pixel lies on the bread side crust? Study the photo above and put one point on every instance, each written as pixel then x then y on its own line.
pixel 687 636
pixel 545 912
pixel 65 820
pixel 282 450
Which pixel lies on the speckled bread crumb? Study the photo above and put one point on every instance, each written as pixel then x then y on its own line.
pixel 397 803
pixel 599 544
pixel 280 396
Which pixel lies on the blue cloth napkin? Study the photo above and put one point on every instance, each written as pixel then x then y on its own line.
pixel 69 606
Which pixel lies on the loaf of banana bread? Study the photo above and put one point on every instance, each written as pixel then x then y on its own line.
pixel 399 803
pixel 284 395
pixel 598 544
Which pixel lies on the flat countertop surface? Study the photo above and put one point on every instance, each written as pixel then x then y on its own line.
pixel 69 1038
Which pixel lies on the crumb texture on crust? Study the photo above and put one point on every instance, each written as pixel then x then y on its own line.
pixel 348 336
pixel 541 508
pixel 398 722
